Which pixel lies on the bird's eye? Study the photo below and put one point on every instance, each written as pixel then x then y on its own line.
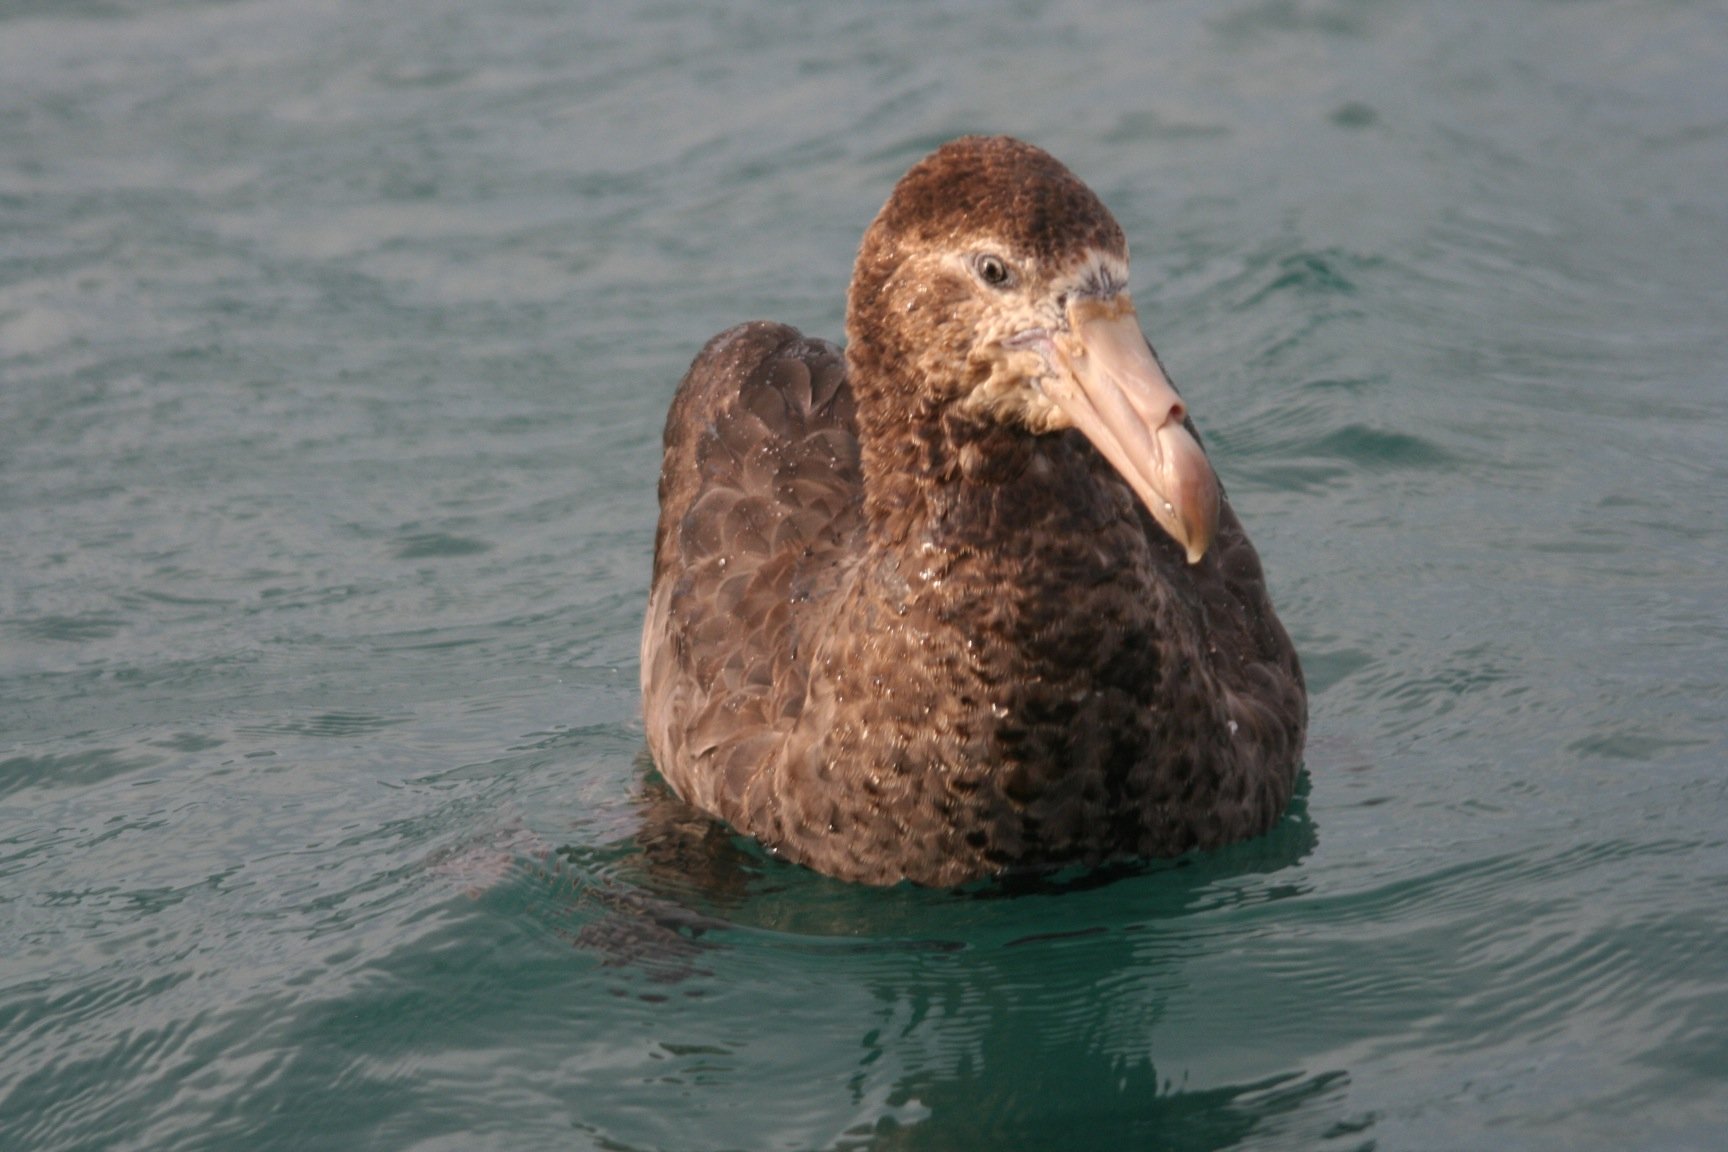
pixel 993 270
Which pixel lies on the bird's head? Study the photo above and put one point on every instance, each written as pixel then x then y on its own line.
pixel 995 281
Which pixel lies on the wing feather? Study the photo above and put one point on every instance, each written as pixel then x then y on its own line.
pixel 760 501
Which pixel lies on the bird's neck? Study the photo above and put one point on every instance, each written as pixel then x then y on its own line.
pixel 908 460
pixel 936 469
pixel 961 479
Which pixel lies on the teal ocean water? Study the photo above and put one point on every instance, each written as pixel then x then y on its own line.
pixel 335 341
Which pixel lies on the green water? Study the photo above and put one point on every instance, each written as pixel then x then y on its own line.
pixel 335 340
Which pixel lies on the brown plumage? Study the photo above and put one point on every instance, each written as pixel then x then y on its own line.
pixel 967 597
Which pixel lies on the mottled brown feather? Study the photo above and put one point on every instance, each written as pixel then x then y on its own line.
pixel 894 639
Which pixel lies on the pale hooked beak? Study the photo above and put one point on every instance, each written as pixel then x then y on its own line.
pixel 1109 384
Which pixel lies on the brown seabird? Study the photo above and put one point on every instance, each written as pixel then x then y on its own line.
pixel 967 597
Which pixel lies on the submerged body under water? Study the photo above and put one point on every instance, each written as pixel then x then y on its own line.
pixel 334 348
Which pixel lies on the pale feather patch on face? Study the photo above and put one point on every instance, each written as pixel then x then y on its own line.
pixel 1010 397
pixel 1014 336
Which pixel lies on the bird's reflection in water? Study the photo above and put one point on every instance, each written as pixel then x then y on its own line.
pixel 1021 1012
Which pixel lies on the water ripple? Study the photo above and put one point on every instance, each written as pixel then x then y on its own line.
pixel 336 340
